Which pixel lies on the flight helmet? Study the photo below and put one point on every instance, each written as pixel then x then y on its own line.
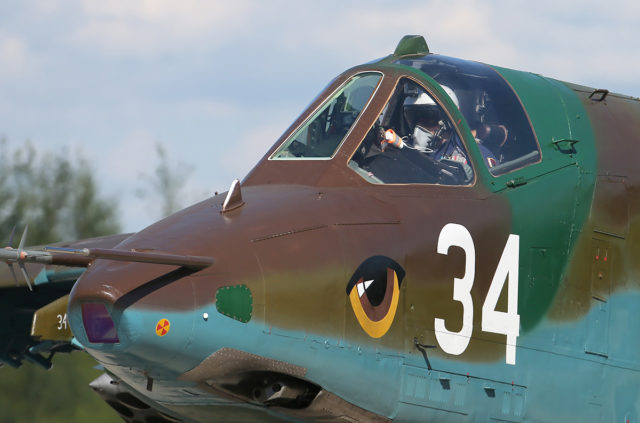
pixel 421 109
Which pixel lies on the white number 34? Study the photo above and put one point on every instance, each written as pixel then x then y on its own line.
pixel 493 321
pixel 62 322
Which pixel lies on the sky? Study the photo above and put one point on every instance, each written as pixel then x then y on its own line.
pixel 217 82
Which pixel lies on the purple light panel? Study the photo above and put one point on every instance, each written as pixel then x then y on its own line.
pixel 98 324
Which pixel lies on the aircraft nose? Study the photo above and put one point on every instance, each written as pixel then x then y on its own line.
pixel 130 322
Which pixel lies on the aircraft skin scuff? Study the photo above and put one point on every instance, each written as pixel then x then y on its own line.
pixel 489 276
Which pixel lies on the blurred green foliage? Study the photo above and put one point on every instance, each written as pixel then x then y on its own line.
pixel 60 200
pixel 60 395
pixel 166 185
pixel 56 196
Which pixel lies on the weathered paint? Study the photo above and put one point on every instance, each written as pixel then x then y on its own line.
pixel 306 226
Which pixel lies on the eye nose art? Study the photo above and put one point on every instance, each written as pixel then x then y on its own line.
pixel 374 291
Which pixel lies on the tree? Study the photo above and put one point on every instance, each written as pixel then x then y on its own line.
pixel 60 200
pixel 167 184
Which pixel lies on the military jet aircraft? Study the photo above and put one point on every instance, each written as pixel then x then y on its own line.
pixel 432 240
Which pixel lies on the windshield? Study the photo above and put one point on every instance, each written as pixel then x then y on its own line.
pixel 321 134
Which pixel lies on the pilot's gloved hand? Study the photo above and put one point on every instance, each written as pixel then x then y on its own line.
pixel 391 138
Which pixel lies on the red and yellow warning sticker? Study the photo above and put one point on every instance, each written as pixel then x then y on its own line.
pixel 163 326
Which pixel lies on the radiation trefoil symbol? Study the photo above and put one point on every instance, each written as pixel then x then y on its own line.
pixel 163 326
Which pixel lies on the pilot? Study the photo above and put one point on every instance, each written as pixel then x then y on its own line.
pixel 427 120
pixel 491 137
pixel 430 133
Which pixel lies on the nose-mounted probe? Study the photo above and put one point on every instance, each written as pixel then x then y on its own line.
pixel 82 257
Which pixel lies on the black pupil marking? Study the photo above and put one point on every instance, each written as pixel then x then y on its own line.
pixel 375 269
pixel 378 288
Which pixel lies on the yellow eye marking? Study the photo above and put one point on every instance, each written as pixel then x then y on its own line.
pixel 376 329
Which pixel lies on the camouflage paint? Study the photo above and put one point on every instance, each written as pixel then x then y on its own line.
pixel 306 226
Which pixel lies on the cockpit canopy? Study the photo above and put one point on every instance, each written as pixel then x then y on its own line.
pixel 416 139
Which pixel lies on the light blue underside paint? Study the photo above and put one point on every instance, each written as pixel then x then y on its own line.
pixel 567 384
pixel 47 276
